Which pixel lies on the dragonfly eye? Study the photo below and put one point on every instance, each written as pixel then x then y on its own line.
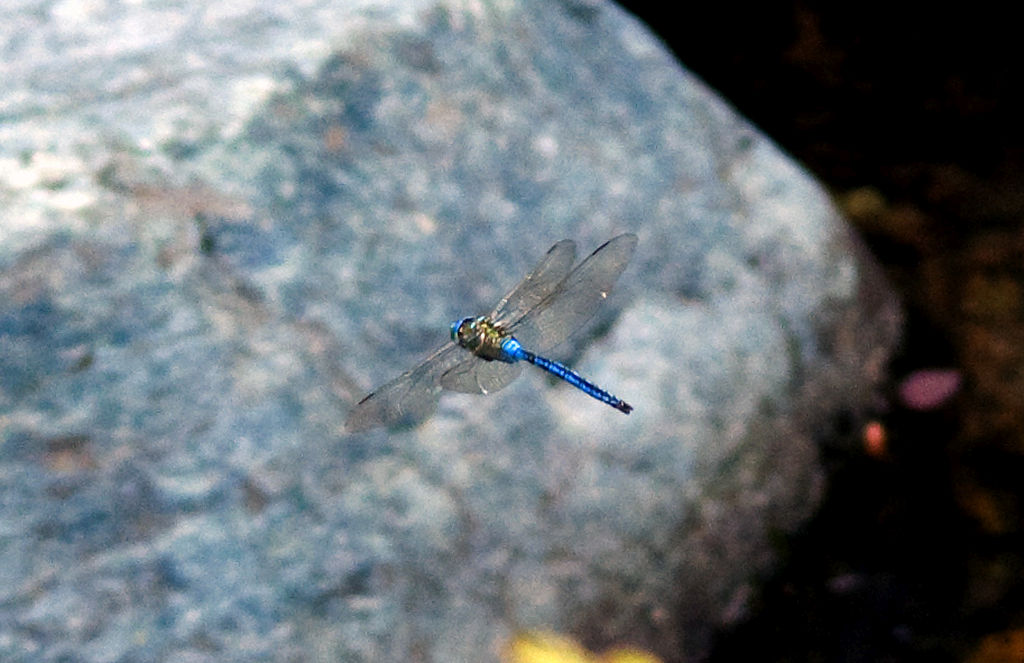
pixel 458 325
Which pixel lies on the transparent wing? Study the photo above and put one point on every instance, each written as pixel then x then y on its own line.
pixel 538 284
pixel 542 311
pixel 480 376
pixel 412 396
pixel 575 299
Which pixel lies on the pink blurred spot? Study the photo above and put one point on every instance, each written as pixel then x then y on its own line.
pixel 930 388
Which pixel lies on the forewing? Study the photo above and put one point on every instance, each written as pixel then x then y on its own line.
pixel 479 376
pixel 409 398
pixel 576 298
pixel 538 284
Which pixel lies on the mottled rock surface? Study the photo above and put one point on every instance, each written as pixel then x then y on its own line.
pixel 222 222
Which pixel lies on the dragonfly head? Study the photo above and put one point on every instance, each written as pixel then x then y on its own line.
pixel 458 325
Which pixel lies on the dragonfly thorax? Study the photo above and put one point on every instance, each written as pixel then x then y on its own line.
pixel 480 336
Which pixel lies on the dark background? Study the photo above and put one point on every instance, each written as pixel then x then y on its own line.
pixel 911 117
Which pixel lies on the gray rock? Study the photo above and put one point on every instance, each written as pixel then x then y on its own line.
pixel 222 222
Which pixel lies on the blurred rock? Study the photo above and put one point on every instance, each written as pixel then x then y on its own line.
pixel 220 223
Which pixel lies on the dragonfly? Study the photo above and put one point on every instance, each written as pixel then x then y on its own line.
pixel 485 352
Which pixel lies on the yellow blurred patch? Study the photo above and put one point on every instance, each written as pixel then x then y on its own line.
pixel 628 655
pixel 545 647
pixel 548 647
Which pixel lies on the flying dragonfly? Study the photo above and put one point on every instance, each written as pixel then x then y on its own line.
pixel 483 356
